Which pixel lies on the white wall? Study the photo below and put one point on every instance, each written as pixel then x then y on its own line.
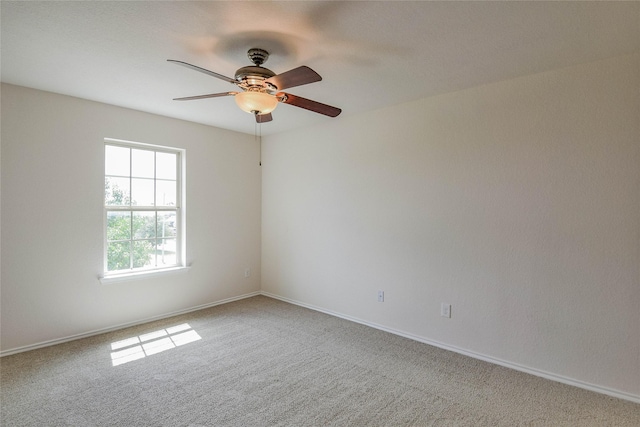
pixel 52 217
pixel 516 202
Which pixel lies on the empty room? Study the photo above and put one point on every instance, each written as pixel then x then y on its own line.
pixel 349 213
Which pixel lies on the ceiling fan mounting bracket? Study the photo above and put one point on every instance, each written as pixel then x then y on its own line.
pixel 258 56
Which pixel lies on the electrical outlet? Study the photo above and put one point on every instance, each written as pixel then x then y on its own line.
pixel 445 310
pixel 380 296
pixel 247 272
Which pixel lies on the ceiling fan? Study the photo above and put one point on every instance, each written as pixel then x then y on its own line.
pixel 261 88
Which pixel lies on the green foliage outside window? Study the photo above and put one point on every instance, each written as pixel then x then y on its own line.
pixel 119 228
pixel 119 253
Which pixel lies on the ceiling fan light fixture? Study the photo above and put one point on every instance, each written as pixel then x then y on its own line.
pixel 260 86
pixel 256 102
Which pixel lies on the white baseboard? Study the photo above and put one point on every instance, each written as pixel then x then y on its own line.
pixel 123 325
pixel 483 357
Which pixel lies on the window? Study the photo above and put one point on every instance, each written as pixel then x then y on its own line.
pixel 142 207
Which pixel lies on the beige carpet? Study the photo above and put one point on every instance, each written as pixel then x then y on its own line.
pixel 262 362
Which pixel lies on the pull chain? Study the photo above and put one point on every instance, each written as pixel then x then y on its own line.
pixel 257 131
pixel 260 142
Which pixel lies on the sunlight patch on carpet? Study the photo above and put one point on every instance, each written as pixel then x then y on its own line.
pixel 144 345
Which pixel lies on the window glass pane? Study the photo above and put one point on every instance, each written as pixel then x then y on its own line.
pixel 118 256
pixel 166 224
pixel 116 160
pixel 118 225
pixel 143 253
pixel 166 193
pixel 144 225
pixel 166 166
pixel 116 192
pixel 142 163
pixel 142 192
pixel 166 252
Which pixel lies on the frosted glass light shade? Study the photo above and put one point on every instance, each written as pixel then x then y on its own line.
pixel 261 102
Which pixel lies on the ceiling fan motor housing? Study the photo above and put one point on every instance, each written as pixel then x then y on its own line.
pixel 252 77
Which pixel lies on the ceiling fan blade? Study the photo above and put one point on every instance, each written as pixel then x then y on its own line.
pixel 297 77
pixel 263 118
pixel 202 70
pixel 308 104
pixel 211 95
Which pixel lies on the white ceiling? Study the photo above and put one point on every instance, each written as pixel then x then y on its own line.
pixel 370 54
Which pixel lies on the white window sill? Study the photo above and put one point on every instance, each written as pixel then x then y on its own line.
pixel 138 275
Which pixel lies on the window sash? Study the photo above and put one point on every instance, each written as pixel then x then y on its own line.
pixel 158 243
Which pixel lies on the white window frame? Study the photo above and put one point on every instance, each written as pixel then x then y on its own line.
pixel 179 209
